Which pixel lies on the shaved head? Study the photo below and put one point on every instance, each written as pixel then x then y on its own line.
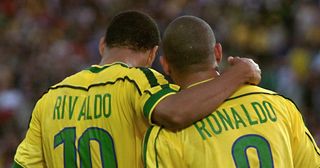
pixel 188 44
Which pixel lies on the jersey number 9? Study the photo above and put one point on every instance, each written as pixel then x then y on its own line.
pixel 240 146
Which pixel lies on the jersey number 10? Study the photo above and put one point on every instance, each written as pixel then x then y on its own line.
pixel 67 137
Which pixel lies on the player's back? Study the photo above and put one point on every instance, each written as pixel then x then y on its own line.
pixel 93 118
pixel 254 127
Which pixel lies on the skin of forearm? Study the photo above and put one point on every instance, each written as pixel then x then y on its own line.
pixel 180 110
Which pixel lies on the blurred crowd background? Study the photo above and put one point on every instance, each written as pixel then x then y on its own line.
pixel 43 41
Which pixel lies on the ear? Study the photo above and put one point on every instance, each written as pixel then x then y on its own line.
pixel 102 45
pixel 218 52
pixel 165 65
pixel 152 55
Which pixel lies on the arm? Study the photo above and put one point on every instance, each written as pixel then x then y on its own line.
pixel 180 110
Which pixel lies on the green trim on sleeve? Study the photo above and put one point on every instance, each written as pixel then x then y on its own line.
pixel 150 76
pixel 153 99
pixel 16 165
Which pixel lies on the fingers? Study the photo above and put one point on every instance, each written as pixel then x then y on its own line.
pixel 230 60
pixel 250 69
pixel 256 73
pixel 254 63
pixel 233 60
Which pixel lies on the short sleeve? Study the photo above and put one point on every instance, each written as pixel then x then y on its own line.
pixel 153 87
pixel 162 148
pixel 29 153
pixel 305 151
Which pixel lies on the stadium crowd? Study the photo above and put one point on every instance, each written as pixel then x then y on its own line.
pixel 42 42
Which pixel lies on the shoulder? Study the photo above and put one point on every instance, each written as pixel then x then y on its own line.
pixel 140 77
pixel 146 78
pixel 250 90
pixel 246 89
pixel 258 93
pixel 252 93
pixel 147 73
pixel 74 79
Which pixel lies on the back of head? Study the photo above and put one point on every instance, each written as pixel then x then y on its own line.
pixel 134 30
pixel 188 42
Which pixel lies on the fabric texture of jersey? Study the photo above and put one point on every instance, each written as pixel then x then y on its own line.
pixel 95 118
pixel 253 128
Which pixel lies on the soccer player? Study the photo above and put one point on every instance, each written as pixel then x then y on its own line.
pixel 97 117
pixel 254 127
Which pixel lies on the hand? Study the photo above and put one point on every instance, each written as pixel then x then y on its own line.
pixel 248 68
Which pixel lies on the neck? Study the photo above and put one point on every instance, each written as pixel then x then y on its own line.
pixel 125 55
pixel 186 80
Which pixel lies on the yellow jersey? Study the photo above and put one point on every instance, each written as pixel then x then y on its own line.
pixel 95 118
pixel 255 127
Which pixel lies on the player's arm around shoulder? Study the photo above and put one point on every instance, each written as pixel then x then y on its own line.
pixel 180 110
pixel 152 88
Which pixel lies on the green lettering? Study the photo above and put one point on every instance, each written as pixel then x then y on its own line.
pixel 237 118
pixel 72 105
pixel 202 129
pixel 88 117
pixel 82 112
pixel 256 105
pixel 97 98
pixel 251 122
pixel 56 109
pixel 225 119
pixel 265 104
pixel 216 131
pixel 63 106
pixel 108 113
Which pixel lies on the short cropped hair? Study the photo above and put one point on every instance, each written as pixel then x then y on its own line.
pixel 188 42
pixel 134 30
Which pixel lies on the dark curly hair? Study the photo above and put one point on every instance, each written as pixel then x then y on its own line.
pixel 134 30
